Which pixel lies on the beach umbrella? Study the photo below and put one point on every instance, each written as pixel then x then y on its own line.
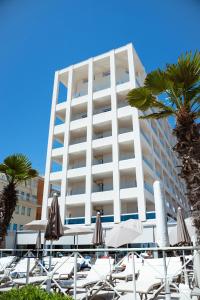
pixel 123 233
pixel 98 238
pixel 76 232
pixel 54 229
pixel 180 236
pixel 183 236
pixel 37 225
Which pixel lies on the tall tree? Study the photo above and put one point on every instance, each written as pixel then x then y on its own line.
pixel 179 85
pixel 17 169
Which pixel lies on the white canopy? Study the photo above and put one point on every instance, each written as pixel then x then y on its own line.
pixel 123 233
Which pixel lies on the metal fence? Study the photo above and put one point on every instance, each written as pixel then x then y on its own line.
pixel 83 273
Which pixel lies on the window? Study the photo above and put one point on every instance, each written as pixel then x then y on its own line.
pixel 15 227
pixel 17 209
pixel 28 211
pixel 23 210
pixel 27 196
pixel 20 227
pixel 22 195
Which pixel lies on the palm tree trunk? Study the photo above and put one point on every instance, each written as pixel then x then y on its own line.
pixel 187 132
pixel 8 200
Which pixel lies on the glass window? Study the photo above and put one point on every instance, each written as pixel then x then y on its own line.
pixel 15 227
pixel 17 209
pixel 20 227
pixel 27 196
pixel 28 211
pixel 23 210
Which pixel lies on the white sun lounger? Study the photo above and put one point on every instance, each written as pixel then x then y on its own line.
pixel 20 269
pixel 128 271
pixel 62 270
pixel 97 278
pixel 5 262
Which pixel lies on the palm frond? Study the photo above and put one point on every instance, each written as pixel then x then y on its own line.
pixel 157 82
pixel 140 98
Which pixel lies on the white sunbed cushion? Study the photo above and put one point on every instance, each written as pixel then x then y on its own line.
pixel 6 262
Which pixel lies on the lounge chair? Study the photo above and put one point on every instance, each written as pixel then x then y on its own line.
pixel 62 270
pixel 5 263
pixel 151 277
pixel 128 271
pixel 97 278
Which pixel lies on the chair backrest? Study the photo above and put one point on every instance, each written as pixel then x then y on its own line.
pixel 21 266
pixel 5 262
pixel 100 270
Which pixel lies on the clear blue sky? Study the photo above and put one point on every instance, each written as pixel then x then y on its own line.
pixel 38 37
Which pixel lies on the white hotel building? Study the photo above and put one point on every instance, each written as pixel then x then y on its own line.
pixel 100 156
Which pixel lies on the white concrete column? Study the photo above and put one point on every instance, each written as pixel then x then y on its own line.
pixel 137 143
pixel 49 146
pixel 139 166
pixel 89 154
pixel 162 237
pixel 66 147
pixel 115 145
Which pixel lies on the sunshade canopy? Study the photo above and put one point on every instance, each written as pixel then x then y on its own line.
pixel 77 231
pixel 123 233
pixel 36 225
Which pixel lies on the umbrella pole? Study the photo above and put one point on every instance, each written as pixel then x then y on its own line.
pixel 134 284
pixel 48 288
pixel 75 273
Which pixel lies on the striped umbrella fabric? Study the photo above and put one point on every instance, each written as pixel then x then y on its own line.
pixel 183 236
pixel 98 238
pixel 54 228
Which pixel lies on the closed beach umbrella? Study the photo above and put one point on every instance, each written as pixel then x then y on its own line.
pixel 183 231
pixel 98 238
pixel 123 233
pixel 183 236
pixel 54 229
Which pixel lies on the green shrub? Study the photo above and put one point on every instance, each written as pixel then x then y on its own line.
pixel 30 292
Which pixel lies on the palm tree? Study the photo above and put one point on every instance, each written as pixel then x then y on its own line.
pixel 17 169
pixel 179 85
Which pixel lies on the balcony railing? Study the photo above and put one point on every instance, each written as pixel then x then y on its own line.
pixel 125 130
pixel 102 110
pixel 78 140
pixel 77 165
pixel 124 156
pixel 109 218
pixel 128 184
pixel 79 116
pixel 102 188
pixel 123 79
pixel 102 135
pixel 77 191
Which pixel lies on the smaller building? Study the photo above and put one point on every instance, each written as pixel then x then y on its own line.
pixel 28 206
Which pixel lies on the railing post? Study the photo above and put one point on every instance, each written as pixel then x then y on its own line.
pixel 28 269
pixel 134 283
pixel 167 287
pixel 75 273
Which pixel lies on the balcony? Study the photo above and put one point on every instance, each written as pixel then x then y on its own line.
pixel 145 137
pixel 148 187
pixel 148 162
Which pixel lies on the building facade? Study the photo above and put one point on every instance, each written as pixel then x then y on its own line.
pixel 27 204
pixel 101 156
